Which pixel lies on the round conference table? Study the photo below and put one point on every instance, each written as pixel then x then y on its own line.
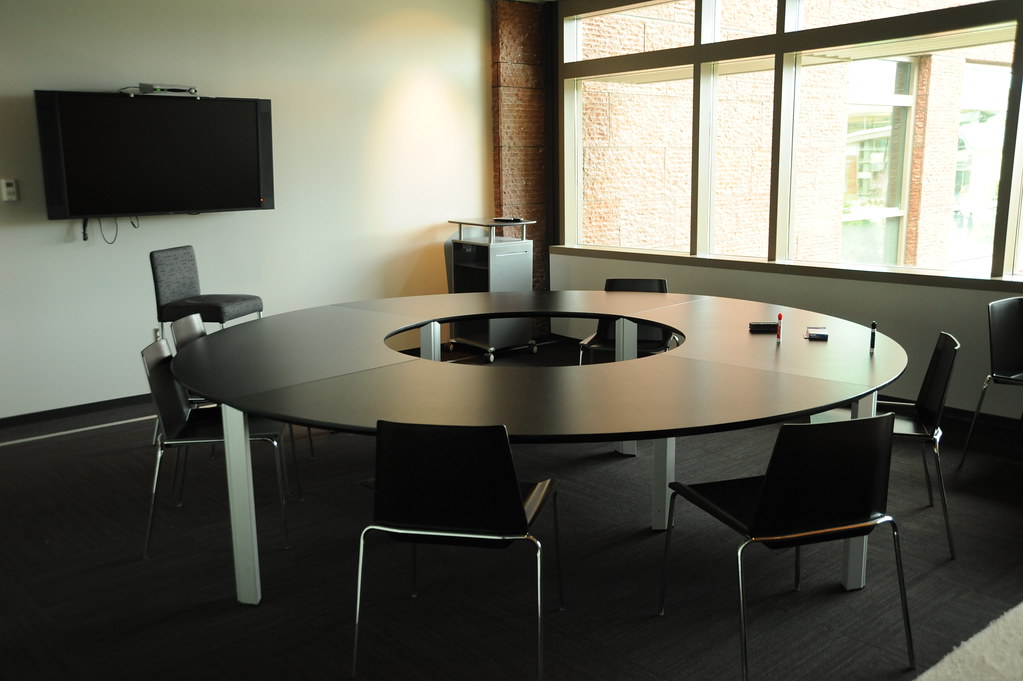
pixel 330 367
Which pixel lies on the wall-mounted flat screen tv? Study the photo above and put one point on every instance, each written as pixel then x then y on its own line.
pixel 114 154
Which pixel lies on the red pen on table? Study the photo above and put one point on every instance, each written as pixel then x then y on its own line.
pixel 777 333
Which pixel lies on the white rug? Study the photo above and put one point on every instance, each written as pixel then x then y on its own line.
pixel 993 654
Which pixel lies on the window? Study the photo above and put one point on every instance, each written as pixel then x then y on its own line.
pixel 636 161
pixel 852 140
pixel 741 173
pixel 884 152
pixel 632 30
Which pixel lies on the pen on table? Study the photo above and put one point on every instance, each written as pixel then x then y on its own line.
pixel 873 333
pixel 777 333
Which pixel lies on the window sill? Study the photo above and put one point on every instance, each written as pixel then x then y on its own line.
pixel 903 276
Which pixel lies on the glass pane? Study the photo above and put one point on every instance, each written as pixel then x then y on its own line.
pixel 746 18
pixel 817 13
pixel 742 164
pixel 639 29
pixel 896 169
pixel 981 131
pixel 636 164
pixel 871 241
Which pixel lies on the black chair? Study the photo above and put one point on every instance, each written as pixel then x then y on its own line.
pixel 649 339
pixel 191 328
pixel 824 482
pixel 920 420
pixel 187 329
pixel 182 426
pixel 176 284
pixel 184 331
pixel 1005 334
pixel 454 485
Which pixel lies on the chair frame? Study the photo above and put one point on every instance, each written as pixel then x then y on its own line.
pixel 930 423
pixel 1003 348
pixel 920 420
pixel 471 538
pixel 169 394
pixel 796 539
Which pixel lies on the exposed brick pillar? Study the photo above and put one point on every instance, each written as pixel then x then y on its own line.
pixel 521 148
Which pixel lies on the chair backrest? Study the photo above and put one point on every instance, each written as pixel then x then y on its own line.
pixel 447 479
pixel 187 329
pixel 644 332
pixel 169 395
pixel 826 475
pixel 1005 330
pixel 175 275
pixel 930 401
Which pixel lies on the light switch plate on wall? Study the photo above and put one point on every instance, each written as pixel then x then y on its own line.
pixel 8 190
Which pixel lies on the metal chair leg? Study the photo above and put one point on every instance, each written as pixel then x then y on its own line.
pixel 973 422
pixel 902 595
pixel 539 609
pixel 667 547
pixel 280 490
pixel 927 475
pixel 178 481
pixel 944 499
pixel 152 503
pixel 358 600
pixel 742 613
pixel 557 553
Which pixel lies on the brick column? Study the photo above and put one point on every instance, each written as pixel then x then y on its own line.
pixel 520 63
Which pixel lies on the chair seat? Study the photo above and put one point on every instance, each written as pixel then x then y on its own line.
pixel 205 425
pixel 213 307
pixel 733 502
pixel 643 347
pixel 907 421
pixel 1014 379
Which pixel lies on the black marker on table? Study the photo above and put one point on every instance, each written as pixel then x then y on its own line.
pixel 873 333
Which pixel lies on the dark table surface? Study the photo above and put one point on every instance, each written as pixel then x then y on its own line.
pixel 330 367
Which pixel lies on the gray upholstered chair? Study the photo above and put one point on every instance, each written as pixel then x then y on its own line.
pixel 176 283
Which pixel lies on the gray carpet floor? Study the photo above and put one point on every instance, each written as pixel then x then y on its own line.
pixel 77 602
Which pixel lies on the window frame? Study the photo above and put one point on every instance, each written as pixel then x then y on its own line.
pixel 785 47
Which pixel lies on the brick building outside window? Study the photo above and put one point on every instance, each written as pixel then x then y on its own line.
pixel 892 149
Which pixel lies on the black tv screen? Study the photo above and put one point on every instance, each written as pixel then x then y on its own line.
pixel 114 154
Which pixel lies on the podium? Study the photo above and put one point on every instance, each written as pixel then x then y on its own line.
pixel 491 263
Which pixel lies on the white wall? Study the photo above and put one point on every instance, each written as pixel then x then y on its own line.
pixel 912 315
pixel 381 120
